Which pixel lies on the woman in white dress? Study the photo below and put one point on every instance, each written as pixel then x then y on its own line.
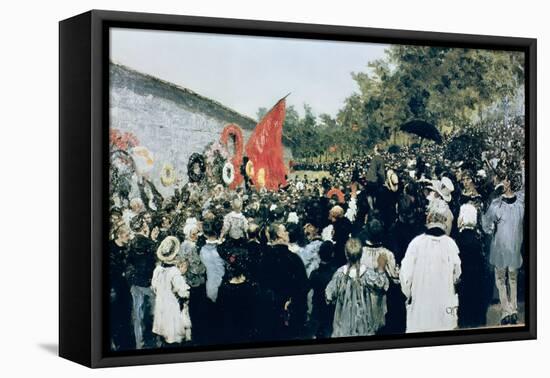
pixel 428 274
pixel 171 316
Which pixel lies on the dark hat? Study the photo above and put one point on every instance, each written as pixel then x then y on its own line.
pixel 375 231
pixel 326 251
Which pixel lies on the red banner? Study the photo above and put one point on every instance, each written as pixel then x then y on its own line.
pixel 265 149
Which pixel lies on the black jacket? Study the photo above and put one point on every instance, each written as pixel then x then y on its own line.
pixel 141 261
pixel 283 278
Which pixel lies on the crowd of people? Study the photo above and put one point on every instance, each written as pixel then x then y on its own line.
pixel 385 244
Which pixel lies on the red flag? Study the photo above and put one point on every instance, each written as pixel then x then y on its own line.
pixel 265 149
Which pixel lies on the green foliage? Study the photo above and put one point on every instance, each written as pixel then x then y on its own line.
pixel 445 86
pixel 302 134
pixel 449 87
pixel 261 113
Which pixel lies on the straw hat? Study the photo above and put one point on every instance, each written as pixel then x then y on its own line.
pixel 443 187
pixel 392 181
pixel 168 249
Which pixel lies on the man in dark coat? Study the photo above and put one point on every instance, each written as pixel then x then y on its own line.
pixel 375 176
pixel 475 286
pixel 342 229
pixel 283 279
pixel 122 335
pixel 386 202
pixel 322 313
pixel 238 299
pixel 254 253
pixel 377 168
pixel 140 266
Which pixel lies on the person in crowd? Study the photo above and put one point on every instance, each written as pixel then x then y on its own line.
pixel 215 272
pixel 122 335
pixel 388 195
pixel 310 253
pixel 296 238
pixel 191 234
pixel 372 250
pixel 375 176
pixel 148 218
pixel 410 209
pixel 322 313
pixel 195 276
pixel 254 251
pixel 235 224
pixel 140 266
pixel 350 290
pixel 284 278
pixel 171 316
pixel 238 300
pixel 136 208
pixel 442 189
pixel 342 228
pixel 429 273
pixel 165 223
pixel 504 221
pixel 503 162
pixel 215 266
pixel 475 286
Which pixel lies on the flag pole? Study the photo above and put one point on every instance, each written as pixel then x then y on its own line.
pixel 270 109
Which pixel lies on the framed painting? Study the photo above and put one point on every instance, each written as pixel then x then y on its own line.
pixel 234 188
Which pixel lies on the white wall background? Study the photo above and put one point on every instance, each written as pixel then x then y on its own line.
pixel 29 188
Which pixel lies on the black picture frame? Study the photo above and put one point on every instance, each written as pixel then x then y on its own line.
pixel 83 180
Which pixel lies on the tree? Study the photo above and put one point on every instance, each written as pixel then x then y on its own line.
pixel 445 86
pixel 450 87
pixel 261 113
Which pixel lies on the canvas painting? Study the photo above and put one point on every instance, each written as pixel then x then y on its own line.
pixel 268 190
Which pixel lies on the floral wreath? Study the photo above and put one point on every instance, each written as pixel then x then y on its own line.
pixel 196 158
pixel 228 173
pixel 167 175
pixel 236 132
pixel 338 193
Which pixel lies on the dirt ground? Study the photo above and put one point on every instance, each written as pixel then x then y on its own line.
pixel 310 174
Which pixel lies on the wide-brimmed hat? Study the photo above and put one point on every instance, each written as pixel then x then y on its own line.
pixel 443 187
pixel 392 181
pixel 168 249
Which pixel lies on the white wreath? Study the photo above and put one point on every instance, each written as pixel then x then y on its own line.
pixel 228 173
pixel 167 175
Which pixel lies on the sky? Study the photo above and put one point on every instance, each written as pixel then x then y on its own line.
pixel 246 73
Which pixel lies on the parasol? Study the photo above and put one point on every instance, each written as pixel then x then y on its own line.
pixel 394 149
pixel 423 129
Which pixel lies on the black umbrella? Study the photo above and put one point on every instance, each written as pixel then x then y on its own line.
pixel 423 129
pixel 394 149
